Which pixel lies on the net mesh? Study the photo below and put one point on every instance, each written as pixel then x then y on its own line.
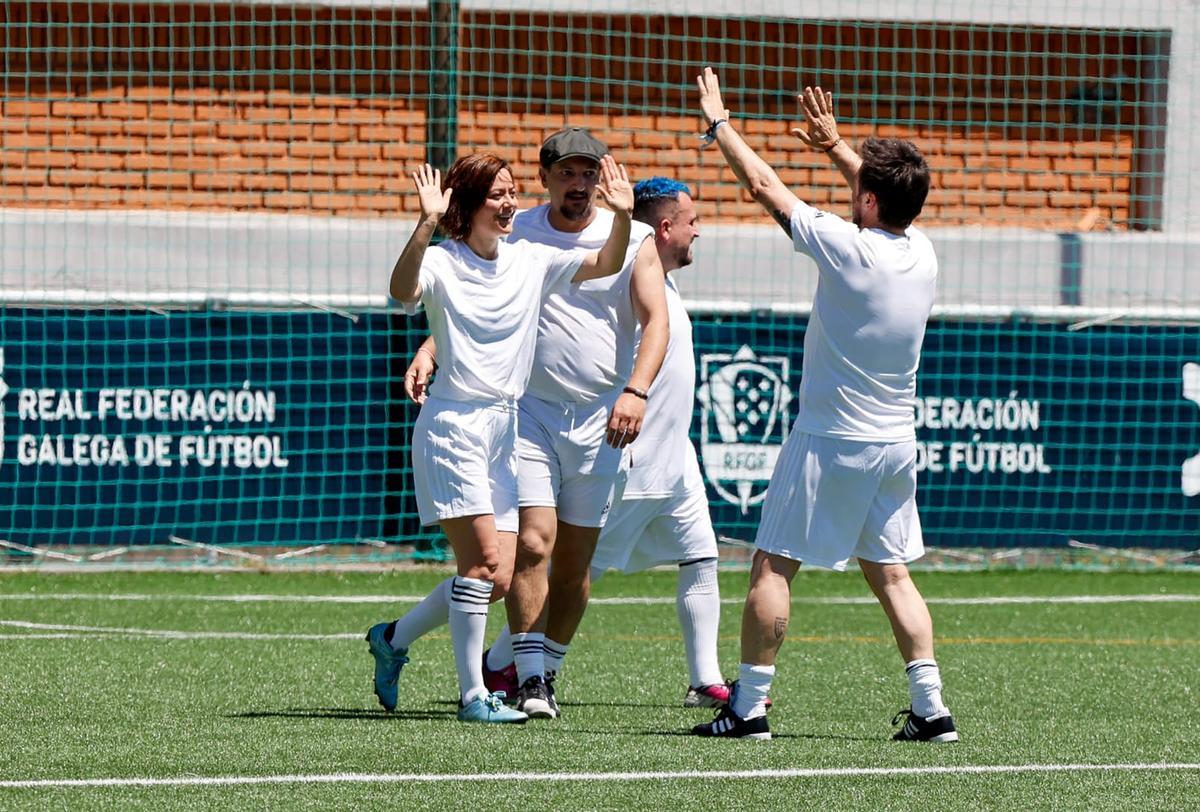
pixel 201 204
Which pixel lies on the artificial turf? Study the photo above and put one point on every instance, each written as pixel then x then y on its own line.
pixel 1029 683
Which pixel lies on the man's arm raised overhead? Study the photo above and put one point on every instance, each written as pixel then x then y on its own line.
pixel 752 171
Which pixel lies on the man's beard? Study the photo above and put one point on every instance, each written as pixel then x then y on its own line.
pixel 569 211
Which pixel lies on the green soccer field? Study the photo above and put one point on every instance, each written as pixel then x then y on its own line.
pixel 134 690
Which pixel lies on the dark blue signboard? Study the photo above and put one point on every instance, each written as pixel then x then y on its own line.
pixel 290 428
pixel 1029 434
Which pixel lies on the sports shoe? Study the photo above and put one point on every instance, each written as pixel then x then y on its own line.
pixel 389 662
pixel 728 725
pixel 534 699
pixel 707 696
pixel 937 728
pixel 502 681
pixel 491 709
pixel 550 691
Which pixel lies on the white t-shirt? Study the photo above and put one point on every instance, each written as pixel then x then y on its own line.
pixel 662 460
pixel 483 314
pixel 586 332
pixel 863 342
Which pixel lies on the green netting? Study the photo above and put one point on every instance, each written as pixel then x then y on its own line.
pixel 201 203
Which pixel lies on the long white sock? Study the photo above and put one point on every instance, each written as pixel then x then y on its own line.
pixel 469 600
pixel 925 688
pixel 754 683
pixel 528 654
pixel 698 603
pixel 553 655
pixel 500 655
pixel 423 618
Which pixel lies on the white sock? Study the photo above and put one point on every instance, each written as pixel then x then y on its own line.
pixel 553 654
pixel 698 603
pixel 424 617
pixel 500 655
pixel 925 688
pixel 754 683
pixel 527 654
pixel 469 600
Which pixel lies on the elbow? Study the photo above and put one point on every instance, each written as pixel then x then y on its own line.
pixel 761 186
pixel 408 297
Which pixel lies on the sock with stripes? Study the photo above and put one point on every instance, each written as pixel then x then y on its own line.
pixel 422 618
pixel 527 654
pixel 469 601
pixel 754 683
pixel 500 655
pixel 925 688
pixel 698 604
pixel 553 655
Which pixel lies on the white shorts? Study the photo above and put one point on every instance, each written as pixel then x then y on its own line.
pixel 643 533
pixel 465 461
pixel 564 461
pixel 831 499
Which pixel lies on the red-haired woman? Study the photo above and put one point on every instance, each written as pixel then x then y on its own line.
pixel 482 296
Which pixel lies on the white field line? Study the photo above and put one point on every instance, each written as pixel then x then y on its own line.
pixel 425 778
pixel 178 635
pixel 994 600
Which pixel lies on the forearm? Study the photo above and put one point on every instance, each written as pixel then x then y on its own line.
pixel 651 352
pixel 847 161
pixel 752 171
pixel 429 346
pixel 405 283
pixel 611 257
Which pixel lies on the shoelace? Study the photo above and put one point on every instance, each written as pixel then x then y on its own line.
pixel 495 701
pixel 907 712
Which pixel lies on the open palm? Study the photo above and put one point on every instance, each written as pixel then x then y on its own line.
pixel 434 201
pixel 614 187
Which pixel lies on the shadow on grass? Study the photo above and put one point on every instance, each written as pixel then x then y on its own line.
pixel 343 713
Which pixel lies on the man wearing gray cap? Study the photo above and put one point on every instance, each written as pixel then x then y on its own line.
pixel 584 404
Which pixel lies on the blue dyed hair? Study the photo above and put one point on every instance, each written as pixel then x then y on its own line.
pixel 648 193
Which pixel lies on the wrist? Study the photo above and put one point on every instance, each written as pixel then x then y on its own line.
pixel 830 148
pixel 636 392
pixel 710 135
pixel 432 357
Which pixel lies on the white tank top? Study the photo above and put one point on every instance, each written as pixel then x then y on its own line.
pixel 662 460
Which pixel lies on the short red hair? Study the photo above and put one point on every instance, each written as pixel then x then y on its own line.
pixel 471 177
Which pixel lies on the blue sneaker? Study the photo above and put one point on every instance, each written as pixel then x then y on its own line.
pixel 491 709
pixel 389 662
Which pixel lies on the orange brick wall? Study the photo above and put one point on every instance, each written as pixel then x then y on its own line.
pixel 322 110
pixel 148 147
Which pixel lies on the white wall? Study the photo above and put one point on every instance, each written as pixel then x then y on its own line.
pixel 148 257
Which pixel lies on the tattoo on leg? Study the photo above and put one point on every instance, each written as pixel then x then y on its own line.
pixel 781 624
pixel 784 220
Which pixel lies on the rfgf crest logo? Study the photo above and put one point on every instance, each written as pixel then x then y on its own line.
pixel 744 422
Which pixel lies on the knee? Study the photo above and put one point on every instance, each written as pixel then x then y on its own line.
pixel 486 569
pixel 534 546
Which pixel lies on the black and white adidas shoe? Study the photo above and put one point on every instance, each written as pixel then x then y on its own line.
pixel 937 728
pixel 728 725
pixel 535 700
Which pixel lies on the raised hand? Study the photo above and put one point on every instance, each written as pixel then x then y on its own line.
pixel 614 186
pixel 818 112
pixel 434 201
pixel 711 106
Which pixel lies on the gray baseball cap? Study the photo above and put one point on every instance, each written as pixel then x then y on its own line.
pixel 570 143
